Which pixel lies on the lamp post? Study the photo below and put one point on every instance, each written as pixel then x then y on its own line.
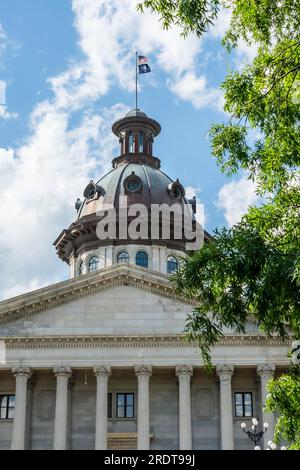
pixel 253 434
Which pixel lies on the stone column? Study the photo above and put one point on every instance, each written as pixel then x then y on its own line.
pixel 62 375
pixel 143 374
pixel 22 375
pixel 102 374
pixel 30 388
pixel 225 373
pixel 266 373
pixel 184 374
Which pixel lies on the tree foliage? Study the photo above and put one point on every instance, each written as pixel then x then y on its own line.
pixel 283 398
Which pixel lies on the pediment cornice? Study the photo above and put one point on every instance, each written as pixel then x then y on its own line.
pixel 76 288
pixel 151 341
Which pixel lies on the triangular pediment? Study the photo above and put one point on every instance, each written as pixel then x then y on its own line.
pixel 120 300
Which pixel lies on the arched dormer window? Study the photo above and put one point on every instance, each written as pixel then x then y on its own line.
pixel 80 268
pixel 131 142
pixel 123 257
pixel 141 142
pixel 172 265
pixel 141 259
pixel 93 264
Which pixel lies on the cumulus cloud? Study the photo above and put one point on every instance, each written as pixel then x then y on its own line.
pixel 196 90
pixel 235 197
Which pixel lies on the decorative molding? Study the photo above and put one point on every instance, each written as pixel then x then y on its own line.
pixel 103 371
pixel 225 372
pixel 151 341
pixel 184 371
pixel 143 370
pixel 89 284
pixel 21 372
pixel 266 370
pixel 62 371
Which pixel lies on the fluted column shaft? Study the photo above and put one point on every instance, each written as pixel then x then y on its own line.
pixel 62 375
pixel 143 374
pixel 102 374
pixel 266 373
pixel 184 374
pixel 19 425
pixel 225 373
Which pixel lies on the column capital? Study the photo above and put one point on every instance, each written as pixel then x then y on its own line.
pixel 266 370
pixel 22 372
pixel 184 371
pixel 102 371
pixel 225 372
pixel 143 370
pixel 62 371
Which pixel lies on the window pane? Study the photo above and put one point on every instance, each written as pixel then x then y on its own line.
pixel 131 143
pixel 239 410
pixel 248 410
pixel 129 400
pixel 2 413
pixel 238 399
pixel 12 400
pixel 142 259
pixel 120 412
pixel 123 257
pixel 129 411
pixel 141 143
pixel 248 398
pixel 172 265
pixel 121 399
pixel 11 413
pixel 3 401
pixel 93 264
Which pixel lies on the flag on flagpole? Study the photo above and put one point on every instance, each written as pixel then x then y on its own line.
pixel 143 65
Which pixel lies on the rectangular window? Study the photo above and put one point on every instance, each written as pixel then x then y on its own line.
pixel 243 404
pixel 7 406
pixel 125 405
pixel 109 405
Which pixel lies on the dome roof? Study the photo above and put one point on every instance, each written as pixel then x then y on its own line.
pixel 136 175
pixel 154 188
pixel 136 113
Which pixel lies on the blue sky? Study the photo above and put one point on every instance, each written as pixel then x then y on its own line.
pixel 68 70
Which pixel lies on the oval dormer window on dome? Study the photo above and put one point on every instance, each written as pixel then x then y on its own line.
pixel 93 191
pixel 133 184
pixel 176 190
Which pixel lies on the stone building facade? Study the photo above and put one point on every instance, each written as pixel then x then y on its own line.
pixel 100 361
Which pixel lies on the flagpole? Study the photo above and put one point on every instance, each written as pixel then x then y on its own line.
pixel 136 79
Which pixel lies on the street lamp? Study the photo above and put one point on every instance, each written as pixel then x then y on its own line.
pixel 253 434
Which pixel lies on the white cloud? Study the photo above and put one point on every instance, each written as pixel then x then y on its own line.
pixel 221 25
pixel 195 89
pixel 234 199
